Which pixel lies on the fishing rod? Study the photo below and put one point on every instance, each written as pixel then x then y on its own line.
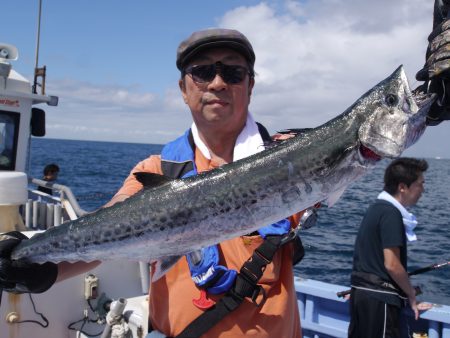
pixel 428 268
pixel 344 293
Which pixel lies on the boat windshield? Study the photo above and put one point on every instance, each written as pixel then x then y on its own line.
pixel 9 133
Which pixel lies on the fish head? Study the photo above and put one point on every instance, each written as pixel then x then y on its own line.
pixel 392 119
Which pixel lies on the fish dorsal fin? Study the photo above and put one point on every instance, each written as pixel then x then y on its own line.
pixel 295 131
pixel 151 180
pixel 334 197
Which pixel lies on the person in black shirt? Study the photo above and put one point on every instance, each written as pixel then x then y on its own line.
pixel 51 172
pixel 380 282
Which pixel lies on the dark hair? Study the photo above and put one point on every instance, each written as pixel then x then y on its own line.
pixel 403 170
pixel 51 168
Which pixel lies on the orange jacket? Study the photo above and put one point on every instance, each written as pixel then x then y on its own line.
pixel 171 306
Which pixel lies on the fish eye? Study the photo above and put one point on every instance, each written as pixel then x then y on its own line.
pixel 391 100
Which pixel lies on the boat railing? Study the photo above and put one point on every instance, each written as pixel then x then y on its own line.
pixel 43 210
pixel 323 314
pixel 65 194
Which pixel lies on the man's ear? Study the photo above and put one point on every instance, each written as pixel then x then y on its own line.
pixel 251 83
pixel 401 187
pixel 182 85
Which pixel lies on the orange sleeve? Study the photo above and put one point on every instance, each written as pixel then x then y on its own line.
pixel 131 185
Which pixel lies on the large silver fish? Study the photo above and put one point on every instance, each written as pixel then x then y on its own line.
pixel 179 216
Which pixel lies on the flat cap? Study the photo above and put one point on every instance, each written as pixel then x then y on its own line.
pixel 213 38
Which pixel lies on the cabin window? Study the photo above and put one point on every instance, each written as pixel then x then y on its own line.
pixel 9 135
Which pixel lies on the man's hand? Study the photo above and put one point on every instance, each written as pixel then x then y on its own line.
pixel 20 277
pixel 436 71
pixel 438 52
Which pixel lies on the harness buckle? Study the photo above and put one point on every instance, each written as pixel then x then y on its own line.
pixel 289 236
pixel 259 290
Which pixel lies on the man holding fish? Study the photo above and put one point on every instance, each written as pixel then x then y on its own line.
pixel 246 281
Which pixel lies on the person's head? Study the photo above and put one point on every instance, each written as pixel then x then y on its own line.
pixel 403 179
pixel 217 77
pixel 51 172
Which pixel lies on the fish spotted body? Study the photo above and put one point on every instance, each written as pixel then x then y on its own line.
pixel 179 216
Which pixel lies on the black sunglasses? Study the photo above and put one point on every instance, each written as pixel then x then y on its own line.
pixel 231 74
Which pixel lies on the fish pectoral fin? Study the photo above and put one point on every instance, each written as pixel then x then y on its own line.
pixel 151 180
pixel 163 265
pixel 334 197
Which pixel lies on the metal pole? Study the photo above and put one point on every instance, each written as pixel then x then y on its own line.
pixel 144 271
pixel 37 46
pixel 35 214
pixel 28 214
pixel 38 33
pixel 42 218
pixel 50 215
pixel 57 215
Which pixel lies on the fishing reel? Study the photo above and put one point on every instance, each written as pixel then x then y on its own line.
pixel 309 217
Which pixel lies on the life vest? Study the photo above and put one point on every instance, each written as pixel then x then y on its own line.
pixel 177 161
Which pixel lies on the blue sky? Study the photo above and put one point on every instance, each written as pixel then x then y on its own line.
pixel 112 63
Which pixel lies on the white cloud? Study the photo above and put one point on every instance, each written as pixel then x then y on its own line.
pixel 75 92
pixel 114 113
pixel 314 58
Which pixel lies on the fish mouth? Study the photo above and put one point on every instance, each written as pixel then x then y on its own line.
pixel 368 154
pixel 424 101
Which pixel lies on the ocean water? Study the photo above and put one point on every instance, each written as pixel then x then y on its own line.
pixel 95 171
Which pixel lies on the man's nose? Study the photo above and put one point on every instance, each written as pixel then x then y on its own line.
pixel 217 83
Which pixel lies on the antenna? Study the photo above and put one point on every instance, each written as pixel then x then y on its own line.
pixel 39 72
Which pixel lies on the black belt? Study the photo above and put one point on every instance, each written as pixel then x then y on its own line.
pixel 374 282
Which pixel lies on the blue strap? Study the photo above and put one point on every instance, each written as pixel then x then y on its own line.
pixel 279 228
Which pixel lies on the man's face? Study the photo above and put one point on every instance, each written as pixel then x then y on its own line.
pixel 218 105
pixel 413 193
pixel 52 176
